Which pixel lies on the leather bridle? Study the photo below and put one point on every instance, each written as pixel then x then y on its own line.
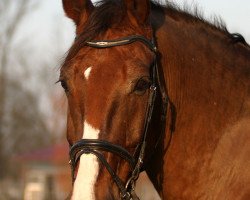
pixel 96 146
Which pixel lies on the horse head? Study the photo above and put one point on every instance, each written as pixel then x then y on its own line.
pixel 110 85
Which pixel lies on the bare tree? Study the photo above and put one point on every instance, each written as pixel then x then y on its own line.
pixel 17 106
pixel 26 124
pixel 6 37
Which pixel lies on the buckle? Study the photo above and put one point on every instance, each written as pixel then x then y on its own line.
pixel 153 87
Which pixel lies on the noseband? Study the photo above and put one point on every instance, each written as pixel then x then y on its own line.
pixel 96 146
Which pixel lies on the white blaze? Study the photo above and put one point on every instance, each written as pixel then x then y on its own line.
pixel 87 72
pixel 87 171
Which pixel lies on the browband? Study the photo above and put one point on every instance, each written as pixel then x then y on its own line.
pixel 122 41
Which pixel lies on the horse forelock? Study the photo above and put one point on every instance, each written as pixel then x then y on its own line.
pixel 106 14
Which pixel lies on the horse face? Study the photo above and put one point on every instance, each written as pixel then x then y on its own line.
pixel 107 91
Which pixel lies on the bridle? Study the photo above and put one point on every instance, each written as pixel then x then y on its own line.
pixel 95 146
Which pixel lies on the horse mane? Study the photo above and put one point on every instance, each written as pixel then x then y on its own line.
pixel 108 13
pixel 193 13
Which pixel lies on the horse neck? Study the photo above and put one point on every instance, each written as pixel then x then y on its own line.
pixel 207 80
pixel 205 73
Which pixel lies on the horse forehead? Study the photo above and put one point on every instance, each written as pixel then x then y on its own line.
pixel 112 65
pixel 99 72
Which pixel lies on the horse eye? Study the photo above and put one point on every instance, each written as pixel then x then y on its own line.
pixel 64 85
pixel 141 86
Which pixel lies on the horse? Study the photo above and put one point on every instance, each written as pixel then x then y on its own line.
pixel 156 88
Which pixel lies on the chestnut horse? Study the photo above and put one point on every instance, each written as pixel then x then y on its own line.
pixel 119 85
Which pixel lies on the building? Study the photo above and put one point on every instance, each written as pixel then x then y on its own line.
pixel 46 173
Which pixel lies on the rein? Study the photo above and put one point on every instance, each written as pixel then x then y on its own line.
pixel 94 146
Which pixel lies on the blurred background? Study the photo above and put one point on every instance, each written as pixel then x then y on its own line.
pixel 34 37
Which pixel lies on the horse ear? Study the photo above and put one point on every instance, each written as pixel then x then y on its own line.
pixel 139 9
pixel 75 9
